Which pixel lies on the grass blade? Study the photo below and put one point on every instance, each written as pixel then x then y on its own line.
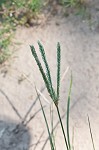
pixel 68 108
pixel 91 133
pixel 55 126
pixel 50 138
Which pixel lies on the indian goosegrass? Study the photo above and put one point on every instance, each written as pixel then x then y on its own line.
pixel 55 95
pixel 51 90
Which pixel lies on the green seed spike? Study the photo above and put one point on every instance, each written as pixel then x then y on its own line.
pixel 58 68
pixel 40 68
pixel 47 69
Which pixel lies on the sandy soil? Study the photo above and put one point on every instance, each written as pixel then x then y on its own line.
pixel 79 39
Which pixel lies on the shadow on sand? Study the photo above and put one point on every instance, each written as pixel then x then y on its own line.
pixel 14 136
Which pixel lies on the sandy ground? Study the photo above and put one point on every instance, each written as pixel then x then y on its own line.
pixel 79 39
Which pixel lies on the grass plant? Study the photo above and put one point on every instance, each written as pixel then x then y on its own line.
pixel 51 90
pixel 23 12
pixel 72 3
pixel 55 95
pixel 12 14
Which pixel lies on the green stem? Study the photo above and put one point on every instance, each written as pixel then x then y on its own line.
pixel 62 127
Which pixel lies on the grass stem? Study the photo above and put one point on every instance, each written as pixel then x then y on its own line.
pixel 62 127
